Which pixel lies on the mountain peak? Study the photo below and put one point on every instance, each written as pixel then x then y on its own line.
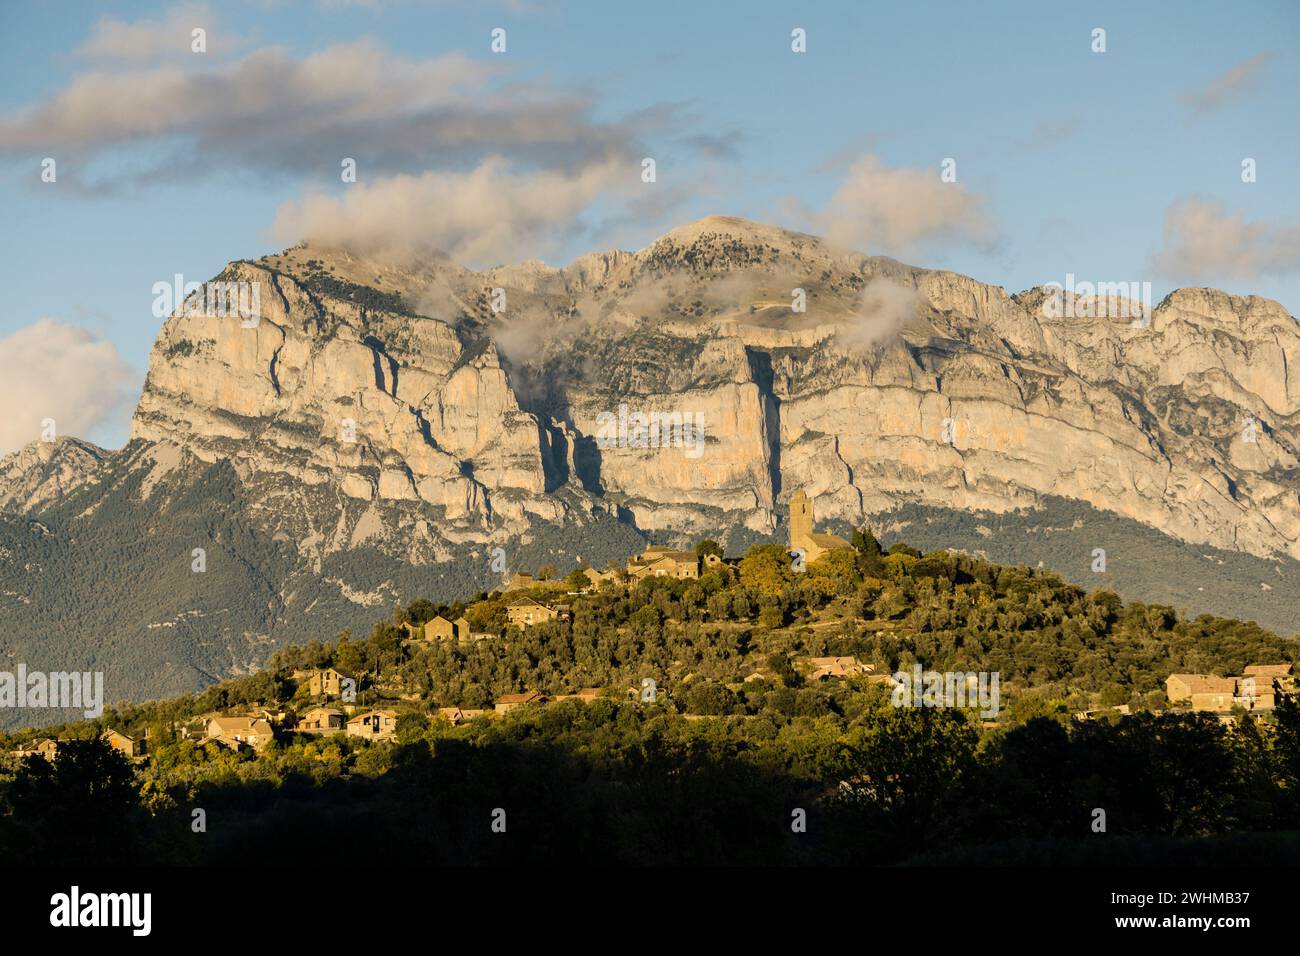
pixel 42 471
pixel 733 227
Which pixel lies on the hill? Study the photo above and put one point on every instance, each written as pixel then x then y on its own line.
pixel 741 755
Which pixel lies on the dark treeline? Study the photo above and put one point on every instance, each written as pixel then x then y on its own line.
pixel 617 783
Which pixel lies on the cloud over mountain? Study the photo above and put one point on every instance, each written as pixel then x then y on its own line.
pixel 59 371
pixel 1202 240
pixel 486 216
pixel 889 210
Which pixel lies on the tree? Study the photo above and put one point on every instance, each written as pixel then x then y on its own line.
pixel 422 611
pixel 708 697
pixel 865 543
pixel 766 568
pixel 347 655
pixel 410 727
pixel 779 664
pixel 707 547
pixel 909 767
pixel 77 809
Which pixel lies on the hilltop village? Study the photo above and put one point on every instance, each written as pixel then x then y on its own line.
pixel 368 704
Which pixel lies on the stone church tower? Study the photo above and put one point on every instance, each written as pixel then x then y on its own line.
pixel 803 534
pixel 801 519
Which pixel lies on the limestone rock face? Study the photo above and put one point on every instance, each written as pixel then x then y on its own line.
pixel 42 472
pixel 459 404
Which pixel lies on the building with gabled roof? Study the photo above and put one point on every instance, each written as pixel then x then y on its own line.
pixel 660 562
pixel 374 725
pixel 460 715
pixel 803 534
pixel 122 743
pixel 255 732
pixel 1270 671
pixel 440 629
pixel 47 748
pixel 508 702
pixel 525 611
pixel 321 720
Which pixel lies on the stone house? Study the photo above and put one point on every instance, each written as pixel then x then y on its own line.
pixel 46 748
pixel 457 715
pixel 827 667
pixel 597 578
pixel 508 702
pixel 1267 672
pixel 321 720
pixel 526 611
pixel 1256 689
pixel 441 629
pixel 660 562
pixel 374 725
pixel 121 742
pixel 253 732
pixel 328 683
pixel 1203 691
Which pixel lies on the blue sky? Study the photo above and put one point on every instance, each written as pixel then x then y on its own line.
pixel 1122 165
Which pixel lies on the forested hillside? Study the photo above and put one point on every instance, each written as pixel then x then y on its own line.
pixel 737 741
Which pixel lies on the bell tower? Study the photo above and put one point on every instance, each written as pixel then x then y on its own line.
pixel 801 518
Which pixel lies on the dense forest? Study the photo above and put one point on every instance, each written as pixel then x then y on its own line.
pixel 740 757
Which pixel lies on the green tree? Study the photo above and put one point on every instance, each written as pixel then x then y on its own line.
pixel 766 569
pixel 707 547
pixel 708 697
pixel 865 543
pixel 77 809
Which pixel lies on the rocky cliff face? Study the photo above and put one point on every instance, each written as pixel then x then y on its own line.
pixel 433 406
pixel 466 405
pixel 896 384
pixel 42 472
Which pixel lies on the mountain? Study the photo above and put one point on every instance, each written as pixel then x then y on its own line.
pixel 39 474
pixel 380 430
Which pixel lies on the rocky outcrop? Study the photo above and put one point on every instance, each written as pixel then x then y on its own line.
pixel 43 472
pixel 459 405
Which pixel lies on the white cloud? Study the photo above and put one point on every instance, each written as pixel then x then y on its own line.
pixel 488 216
pixel 881 210
pixel 1226 87
pixel 1202 241
pixel 272 111
pixel 59 371
pixel 169 36
pixel 886 307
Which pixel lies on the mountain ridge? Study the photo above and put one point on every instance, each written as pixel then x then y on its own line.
pixel 408 416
